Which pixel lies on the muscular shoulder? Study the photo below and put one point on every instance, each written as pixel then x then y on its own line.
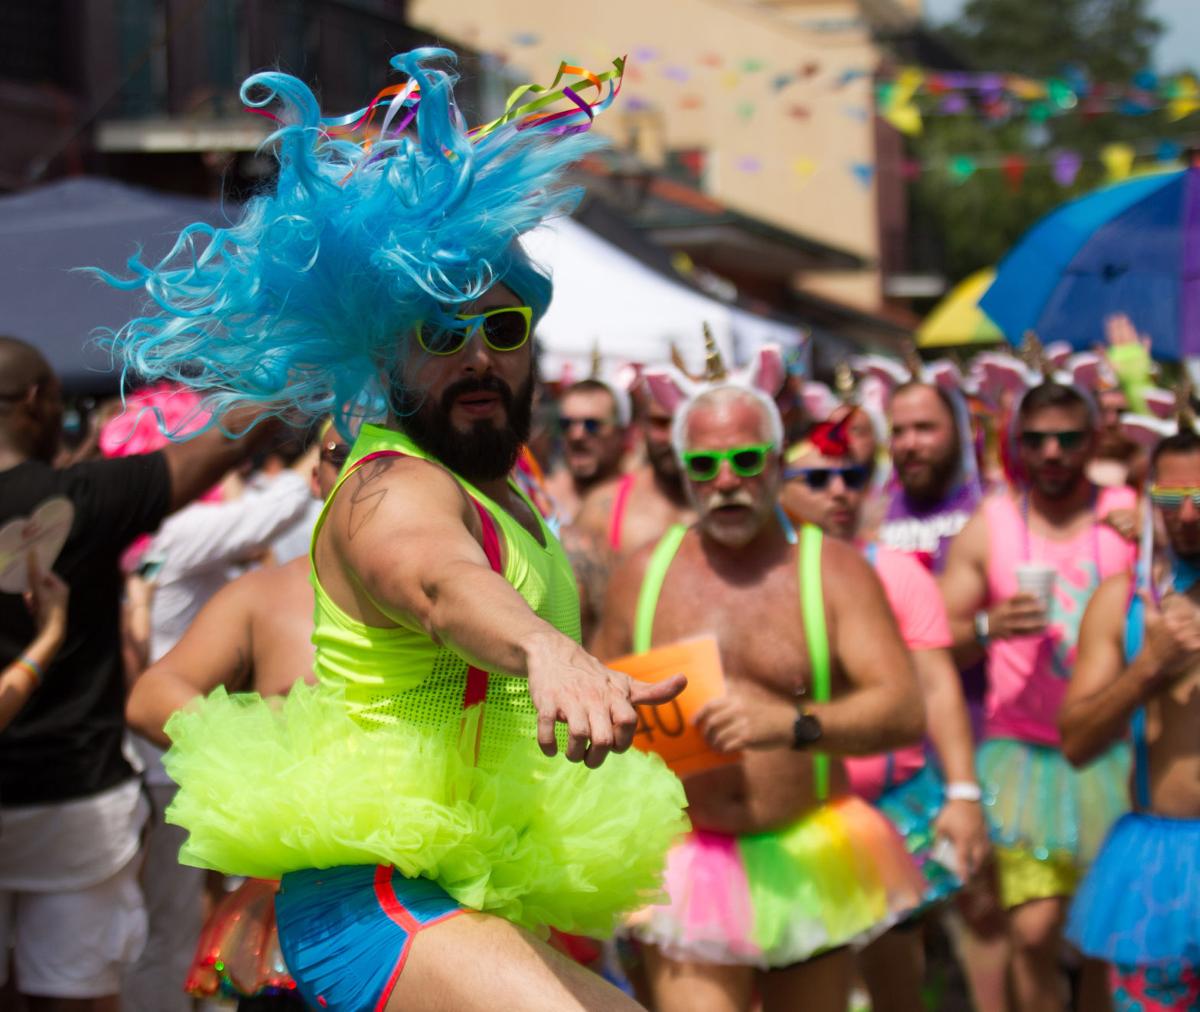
pixel 843 567
pixel 405 487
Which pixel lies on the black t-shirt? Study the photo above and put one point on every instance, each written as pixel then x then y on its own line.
pixel 66 743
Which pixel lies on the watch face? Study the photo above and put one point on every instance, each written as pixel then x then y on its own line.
pixel 807 729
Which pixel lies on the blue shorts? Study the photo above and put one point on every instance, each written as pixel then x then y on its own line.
pixel 346 932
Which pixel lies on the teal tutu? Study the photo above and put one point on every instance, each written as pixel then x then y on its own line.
pixel 912 808
pixel 1140 902
pixel 1036 801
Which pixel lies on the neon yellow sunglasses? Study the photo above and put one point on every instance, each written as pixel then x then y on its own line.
pixel 504 329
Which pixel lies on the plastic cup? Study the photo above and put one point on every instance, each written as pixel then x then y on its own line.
pixel 1037 578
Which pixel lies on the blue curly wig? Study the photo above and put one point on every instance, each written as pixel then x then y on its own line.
pixel 307 301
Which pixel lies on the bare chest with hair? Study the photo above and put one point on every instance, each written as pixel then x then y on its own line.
pixel 754 613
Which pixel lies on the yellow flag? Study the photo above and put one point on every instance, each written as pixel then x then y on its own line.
pixel 1118 161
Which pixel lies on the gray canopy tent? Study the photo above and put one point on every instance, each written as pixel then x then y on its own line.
pixel 82 222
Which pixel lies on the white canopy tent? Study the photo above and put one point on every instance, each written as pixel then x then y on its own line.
pixel 606 299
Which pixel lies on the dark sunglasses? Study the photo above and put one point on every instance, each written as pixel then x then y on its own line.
pixel 1067 439
pixel 746 461
pixel 854 478
pixel 335 454
pixel 592 426
pixel 504 329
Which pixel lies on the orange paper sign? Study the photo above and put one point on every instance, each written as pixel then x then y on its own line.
pixel 670 729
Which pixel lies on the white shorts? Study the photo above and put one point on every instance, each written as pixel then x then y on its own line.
pixel 74 943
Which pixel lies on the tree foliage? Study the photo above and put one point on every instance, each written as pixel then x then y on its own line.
pixel 969 223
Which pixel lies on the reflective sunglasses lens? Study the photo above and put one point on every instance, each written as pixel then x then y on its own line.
pixel 702 466
pixel 591 426
pixel 441 340
pixel 335 453
pixel 748 463
pixel 855 478
pixel 506 330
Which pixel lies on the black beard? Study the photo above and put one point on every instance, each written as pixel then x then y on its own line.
pixel 482 453
pixel 941 482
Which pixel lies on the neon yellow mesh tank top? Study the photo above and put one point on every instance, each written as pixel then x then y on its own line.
pixel 398 674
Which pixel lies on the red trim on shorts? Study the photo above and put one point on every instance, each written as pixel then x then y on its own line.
pixel 391 905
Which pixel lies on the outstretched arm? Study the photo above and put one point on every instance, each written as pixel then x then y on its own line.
pixel 409 541
pixel 215 650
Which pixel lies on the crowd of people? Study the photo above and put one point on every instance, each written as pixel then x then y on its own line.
pixel 361 573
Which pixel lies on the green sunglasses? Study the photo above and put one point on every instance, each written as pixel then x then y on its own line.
pixel 504 329
pixel 1170 497
pixel 746 461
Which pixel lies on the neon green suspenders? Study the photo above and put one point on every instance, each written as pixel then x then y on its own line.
pixel 656 572
pixel 812 607
pixel 816 634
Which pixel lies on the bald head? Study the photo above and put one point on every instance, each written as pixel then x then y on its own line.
pixel 30 402
pixel 21 367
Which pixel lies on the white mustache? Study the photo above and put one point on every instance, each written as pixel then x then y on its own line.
pixel 718 499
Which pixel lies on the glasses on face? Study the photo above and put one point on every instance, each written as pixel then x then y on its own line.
pixel 335 454
pixel 1171 497
pixel 854 478
pixel 504 329
pixel 1068 440
pixel 745 461
pixel 592 426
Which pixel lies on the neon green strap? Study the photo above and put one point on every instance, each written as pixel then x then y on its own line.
pixel 656 572
pixel 812 608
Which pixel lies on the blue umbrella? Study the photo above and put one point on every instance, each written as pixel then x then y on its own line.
pixel 1131 248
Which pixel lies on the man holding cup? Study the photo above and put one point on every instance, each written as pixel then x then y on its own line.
pixel 1016 584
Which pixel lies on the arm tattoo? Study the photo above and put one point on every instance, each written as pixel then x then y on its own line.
pixel 365 500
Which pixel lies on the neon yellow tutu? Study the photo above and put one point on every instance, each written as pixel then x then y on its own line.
pixel 268 787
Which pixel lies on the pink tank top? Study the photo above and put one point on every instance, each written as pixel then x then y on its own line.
pixel 1027 676
pixel 917 604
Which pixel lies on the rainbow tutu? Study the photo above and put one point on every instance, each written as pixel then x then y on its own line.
pixel 839 874
pixel 1037 802
pixel 912 808
pixel 238 954
pixel 268 787
pixel 1140 902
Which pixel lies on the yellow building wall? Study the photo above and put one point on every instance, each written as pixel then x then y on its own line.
pixel 759 87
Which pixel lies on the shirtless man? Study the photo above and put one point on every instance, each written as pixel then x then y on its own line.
pixel 622 516
pixel 253 635
pixel 1139 664
pixel 739 899
pixel 593 420
pixel 826 486
pixel 1047 820
pixel 643 503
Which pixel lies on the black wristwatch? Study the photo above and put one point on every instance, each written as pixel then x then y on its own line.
pixel 806 731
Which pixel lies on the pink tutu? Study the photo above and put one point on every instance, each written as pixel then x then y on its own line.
pixel 836 876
